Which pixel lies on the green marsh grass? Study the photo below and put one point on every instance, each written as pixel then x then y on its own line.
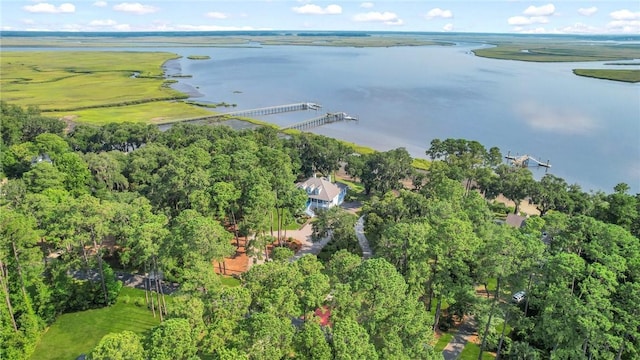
pixel 151 113
pixel 631 76
pixel 68 80
pixel 198 57
pixel 548 51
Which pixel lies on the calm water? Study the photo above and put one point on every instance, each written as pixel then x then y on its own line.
pixel 406 96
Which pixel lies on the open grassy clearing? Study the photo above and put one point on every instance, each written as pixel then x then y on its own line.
pixel 632 76
pixel 61 80
pixel 471 352
pixel 151 113
pixel 78 333
pixel 443 341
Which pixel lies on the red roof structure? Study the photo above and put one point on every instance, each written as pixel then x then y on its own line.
pixel 324 314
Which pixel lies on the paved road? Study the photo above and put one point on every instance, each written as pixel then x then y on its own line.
pixel 466 330
pixel 307 245
pixel 362 239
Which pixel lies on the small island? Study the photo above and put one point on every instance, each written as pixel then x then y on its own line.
pixel 198 57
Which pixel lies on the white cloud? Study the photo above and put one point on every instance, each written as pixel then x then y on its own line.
pixel 624 21
pixel 545 118
pixel 366 5
pixel 106 22
pixel 544 10
pixel 625 15
pixel 122 27
pixel 439 13
pixel 312 9
pixel 448 27
pixel 532 15
pixel 524 20
pixel 388 18
pixel 588 11
pixel 100 3
pixel 135 8
pixel 50 9
pixel 579 28
pixel 624 26
pixel 216 15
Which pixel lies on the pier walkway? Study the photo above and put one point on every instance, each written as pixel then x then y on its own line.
pixel 328 118
pixel 270 110
pixel 274 109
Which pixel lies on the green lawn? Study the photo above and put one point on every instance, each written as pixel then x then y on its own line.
pixel 229 281
pixel 289 221
pixel 443 341
pixel 471 352
pixel 78 333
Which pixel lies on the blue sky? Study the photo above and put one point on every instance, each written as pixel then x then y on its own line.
pixel 498 16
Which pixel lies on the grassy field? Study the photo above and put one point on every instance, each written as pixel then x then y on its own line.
pixel 632 76
pixel 151 113
pixel 93 86
pixel 78 333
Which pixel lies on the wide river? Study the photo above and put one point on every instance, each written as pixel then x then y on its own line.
pixel 588 129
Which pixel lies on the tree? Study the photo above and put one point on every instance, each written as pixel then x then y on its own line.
pixel 340 266
pixel 125 345
pixel 20 125
pixel 107 170
pixel 622 208
pixel 195 238
pixel 550 193
pixel 270 336
pixel 515 183
pixel 383 171
pixel 313 291
pixel 311 343
pixel 351 341
pixel 173 339
pixel 379 290
pixel 20 279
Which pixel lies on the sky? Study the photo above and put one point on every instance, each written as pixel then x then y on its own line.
pixel 497 16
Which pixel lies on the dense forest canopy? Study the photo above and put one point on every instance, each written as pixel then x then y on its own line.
pixel 77 205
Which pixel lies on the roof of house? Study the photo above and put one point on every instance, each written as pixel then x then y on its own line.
pixel 327 190
pixel 515 220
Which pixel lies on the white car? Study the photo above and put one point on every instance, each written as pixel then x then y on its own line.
pixel 518 297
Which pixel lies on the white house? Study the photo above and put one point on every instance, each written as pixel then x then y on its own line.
pixel 322 193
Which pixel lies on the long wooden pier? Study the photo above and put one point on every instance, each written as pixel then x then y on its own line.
pixel 274 109
pixel 256 112
pixel 328 118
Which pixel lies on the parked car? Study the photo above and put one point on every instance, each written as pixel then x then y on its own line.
pixel 518 297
